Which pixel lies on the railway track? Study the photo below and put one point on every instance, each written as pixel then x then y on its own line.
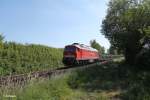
pixel 22 79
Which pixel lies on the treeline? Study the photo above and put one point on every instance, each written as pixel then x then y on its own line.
pixel 96 45
pixel 22 58
pixel 127 27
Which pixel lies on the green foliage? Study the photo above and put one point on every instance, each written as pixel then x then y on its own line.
pixel 143 60
pixel 1 40
pixel 107 79
pixel 134 85
pixel 97 46
pixel 1 37
pixel 53 89
pixel 126 23
pixel 138 86
pixel 110 81
pixel 18 58
pixel 127 26
pixel 112 50
pixel 98 78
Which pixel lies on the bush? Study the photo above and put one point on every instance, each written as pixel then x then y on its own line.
pixel 18 58
pixel 143 60
pixel 53 89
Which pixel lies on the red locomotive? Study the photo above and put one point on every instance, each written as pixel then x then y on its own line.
pixel 77 54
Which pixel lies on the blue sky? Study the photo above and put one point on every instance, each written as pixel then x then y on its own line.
pixel 53 22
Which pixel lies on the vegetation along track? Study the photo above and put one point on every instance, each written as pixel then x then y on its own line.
pixel 22 79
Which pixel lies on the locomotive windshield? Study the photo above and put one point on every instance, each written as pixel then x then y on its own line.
pixel 70 48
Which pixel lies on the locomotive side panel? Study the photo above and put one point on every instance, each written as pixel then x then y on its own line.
pixel 79 54
pixel 86 55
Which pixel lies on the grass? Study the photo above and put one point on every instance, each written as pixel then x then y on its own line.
pixel 115 80
pixel 107 80
pixel 53 89
pixel 110 81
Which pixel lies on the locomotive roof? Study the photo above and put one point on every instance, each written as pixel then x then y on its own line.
pixel 82 46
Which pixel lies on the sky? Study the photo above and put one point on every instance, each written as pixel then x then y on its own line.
pixel 53 23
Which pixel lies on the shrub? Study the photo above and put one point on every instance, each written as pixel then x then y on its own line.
pixel 18 58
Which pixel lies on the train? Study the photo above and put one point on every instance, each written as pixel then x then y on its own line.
pixel 80 54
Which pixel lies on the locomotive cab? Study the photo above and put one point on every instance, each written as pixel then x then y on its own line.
pixel 70 55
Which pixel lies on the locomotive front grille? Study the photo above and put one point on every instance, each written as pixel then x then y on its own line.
pixel 68 60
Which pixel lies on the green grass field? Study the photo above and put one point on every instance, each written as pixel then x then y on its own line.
pixel 53 89
pixel 109 81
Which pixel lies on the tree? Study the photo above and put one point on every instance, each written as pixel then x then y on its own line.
pixel 1 40
pixel 127 22
pixel 97 46
pixel 112 51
